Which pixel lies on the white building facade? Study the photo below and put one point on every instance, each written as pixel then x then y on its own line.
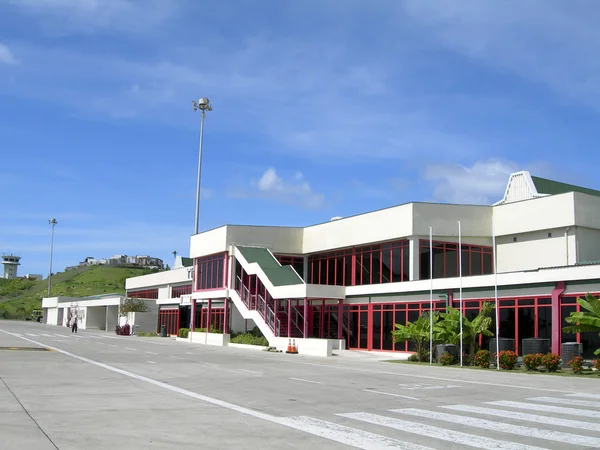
pixel 348 281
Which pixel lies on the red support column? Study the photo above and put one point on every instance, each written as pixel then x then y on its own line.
pixel 226 317
pixel 556 316
pixel 340 315
pixel 193 313
pixel 289 317
pixel 305 327
pixel 208 315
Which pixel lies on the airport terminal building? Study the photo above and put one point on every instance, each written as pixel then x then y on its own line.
pixel 345 283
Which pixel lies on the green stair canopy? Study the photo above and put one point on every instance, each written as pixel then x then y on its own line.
pixel 278 275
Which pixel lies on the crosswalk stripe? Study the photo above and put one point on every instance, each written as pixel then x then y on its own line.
pixel 347 435
pixel 548 408
pixel 550 435
pixel 47 335
pixel 30 334
pixel 444 434
pixel 585 395
pixel 566 401
pixel 526 417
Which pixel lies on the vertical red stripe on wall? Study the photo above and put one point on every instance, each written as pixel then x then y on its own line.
pixel 556 316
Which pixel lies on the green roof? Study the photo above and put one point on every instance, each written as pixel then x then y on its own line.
pixel 545 186
pixel 278 275
pixel 187 262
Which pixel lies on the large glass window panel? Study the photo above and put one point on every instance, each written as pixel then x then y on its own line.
pixel 339 270
pixel 364 329
pixel 507 323
pixel 388 326
pixel 396 264
pixel 475 262
pixel 487 264
pixel 219 273
pixel 405 264
pixel 376 330
pixel 348 270
pixel 438 262
pixel 544 322
pixel 466 255
pixel 451 261
pixel 366 268
pixel 353 329
pixel 526 326
pixel 386 265
pixel 566 312
pixel 331 271
pixel 375 267
pixel 424 263
pixel 323 271
pixel 591 342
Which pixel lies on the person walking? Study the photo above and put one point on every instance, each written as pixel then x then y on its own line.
pixel 74 325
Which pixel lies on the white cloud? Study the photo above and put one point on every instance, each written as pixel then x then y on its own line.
pixel 295 190
pixel 90 16
pixel 6 56
pixel 547 42
pixel 482 183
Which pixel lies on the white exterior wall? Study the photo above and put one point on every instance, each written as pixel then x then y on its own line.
pixel 545 213
pixel 159 279
pixel 51 316
pixel 276 239
pixel 533 250
pixel 382 225
pixel 95 318
pixel 587 243
pixel 476 221
pixel 209 242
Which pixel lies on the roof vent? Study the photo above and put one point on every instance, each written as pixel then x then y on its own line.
pixel 333 219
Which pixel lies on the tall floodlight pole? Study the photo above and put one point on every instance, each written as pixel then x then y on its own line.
pixel 430 296
pixel 53 223
pixel 460 291
pixel 495 257
pixel 203 105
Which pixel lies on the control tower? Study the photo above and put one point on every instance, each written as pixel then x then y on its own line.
pixel 11 263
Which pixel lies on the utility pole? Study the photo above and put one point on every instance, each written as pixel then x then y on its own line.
pixel 53 223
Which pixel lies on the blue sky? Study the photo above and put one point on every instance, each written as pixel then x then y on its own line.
pixel 321 109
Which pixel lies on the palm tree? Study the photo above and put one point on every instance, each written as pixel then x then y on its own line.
pixel 584 321
pixel 416 332
pixel 447 330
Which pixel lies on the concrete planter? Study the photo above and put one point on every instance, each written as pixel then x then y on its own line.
pixel 247 347
pixel 216 339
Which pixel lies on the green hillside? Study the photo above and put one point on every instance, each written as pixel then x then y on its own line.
pixel 19 297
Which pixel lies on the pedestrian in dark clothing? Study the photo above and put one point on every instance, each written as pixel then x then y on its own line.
pixel 74 325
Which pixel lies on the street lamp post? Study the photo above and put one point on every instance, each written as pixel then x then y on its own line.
pixel 203 105
pixel 53 223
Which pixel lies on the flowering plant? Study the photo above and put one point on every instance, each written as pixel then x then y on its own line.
pixel 508 359
pixel 446 359
pixel 532 361
pixel 551 361
pixel 482 359
pixel 576 364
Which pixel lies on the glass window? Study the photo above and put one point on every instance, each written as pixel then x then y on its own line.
pixel 475 262
pixel 348 270
pixel 388 264
pixel 451 261
pixel 544 322
pixel 566 312
pixel 487 264
pixel 405 265
pixel 211 271
pixel 376 267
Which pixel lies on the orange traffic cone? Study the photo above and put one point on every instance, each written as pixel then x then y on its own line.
pixel 294 348
pixel 289 348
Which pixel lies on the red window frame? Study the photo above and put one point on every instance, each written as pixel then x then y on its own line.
pixel 178 291
pixel 170 318
pixel 144 293
pixel 297 262
pixel 323 268
pixel 207 273
pixel 217 318
pixel 447 246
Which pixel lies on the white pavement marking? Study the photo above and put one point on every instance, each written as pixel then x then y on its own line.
pixel 548 408
pixel 526 417
pixel 99 343
pixel 412 387
pixel 59 335
pixel 347 435
pixel 356 438
pixel 565 401
pixel 46 334
pixel 176 357
pixel 254 372
pixel 29 334
pixel 188 353
pixel 443 434
pixel 132 349
pixel 412 375
pixel 585 395
pixel 306 381
pixel 390 394
pixel 491 425
pixel 151 362
pixel 112 345
pixel 152 353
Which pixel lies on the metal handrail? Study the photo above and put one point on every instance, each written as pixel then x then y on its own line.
pixel 297 314
pixel 261 306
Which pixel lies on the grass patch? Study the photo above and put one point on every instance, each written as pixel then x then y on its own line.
pixel 560 373
pixel 144 334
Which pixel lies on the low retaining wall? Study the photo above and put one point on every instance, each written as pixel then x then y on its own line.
pixel 311 347
pixel 247 347
pixel 216 339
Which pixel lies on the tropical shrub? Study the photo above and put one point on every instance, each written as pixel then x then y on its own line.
pixel 183 333
pixel 249 339
pixel 508 359
pixel 413 358
pixel 532 361
pixel 145 334
pixel 447 329
pixel 446 359
pixel 585 321
pixel 576 364
pixel 551 361
pixel 416 332
pixel 482 359
pixel 596 364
